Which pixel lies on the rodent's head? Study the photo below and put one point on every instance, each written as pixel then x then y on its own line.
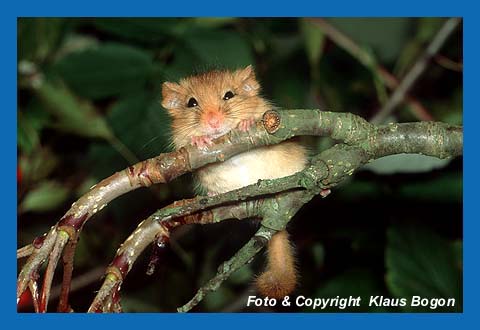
pixel 211 103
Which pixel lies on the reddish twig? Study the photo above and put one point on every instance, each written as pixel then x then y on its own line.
pixel 62 239
pixel 33 287
pixel 448 63
pixel 42 248
pixel 68 257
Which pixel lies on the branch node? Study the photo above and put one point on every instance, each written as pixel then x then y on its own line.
pixel 271 121
pixel 38 241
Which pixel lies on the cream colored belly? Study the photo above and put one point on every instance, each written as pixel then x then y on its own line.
pixel 247 168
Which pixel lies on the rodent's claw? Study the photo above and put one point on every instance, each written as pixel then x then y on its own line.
pixel 201 141
pixel 246 124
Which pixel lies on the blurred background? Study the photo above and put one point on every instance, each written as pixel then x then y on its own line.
pixel 89 105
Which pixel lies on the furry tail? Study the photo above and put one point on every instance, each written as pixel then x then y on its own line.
pixel 280 277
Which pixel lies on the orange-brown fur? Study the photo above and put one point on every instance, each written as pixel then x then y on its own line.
pixel 212 117
pixel 280 278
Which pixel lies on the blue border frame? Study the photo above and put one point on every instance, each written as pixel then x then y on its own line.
pixel 229 8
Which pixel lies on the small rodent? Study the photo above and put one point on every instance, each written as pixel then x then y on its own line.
pixel 206 106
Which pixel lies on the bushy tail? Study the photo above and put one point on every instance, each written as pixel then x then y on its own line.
pixel 280 277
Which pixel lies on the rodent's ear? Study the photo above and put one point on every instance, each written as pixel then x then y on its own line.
pixel 248 82
pixel 171 95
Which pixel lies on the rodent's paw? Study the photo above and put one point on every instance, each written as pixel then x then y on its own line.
pixel 246 124
pixel 201 141
pixel 325 192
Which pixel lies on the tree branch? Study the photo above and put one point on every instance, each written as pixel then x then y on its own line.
pixel 368 60
pixel 363 142
pixel 327 169
pixel 417 69
pixel 243 257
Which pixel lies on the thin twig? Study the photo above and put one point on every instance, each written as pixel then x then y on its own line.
pixel 25 251
pixel 241 258
pixel 68 257
pixel 367 59
pixel 448 63
pixel 417 70
pixel 80 281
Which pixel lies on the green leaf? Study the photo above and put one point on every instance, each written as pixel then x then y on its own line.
pixel 426 29
pixel 242 276
pixel 386 36
pixel 47 196
pixel 284 47
pixel 353 282
pixel 141 124
pixel 457 247
pixel 109 70
pixel 360 189
pixel 73 115
pixel 38 37
pixel 314 40
pixel 449 110
pixel 289 93
pixel 27 136
pixel 74 43
pixel 228 49
pixel 406 163
pixel 37 165
pixel 445 188
pixel 30 122
pixel 213 22
pixel 146 30
pixel 217 299
pixel 421 263
pixel 183 64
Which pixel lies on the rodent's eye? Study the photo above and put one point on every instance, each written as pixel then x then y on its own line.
pixel 192 103
pixel 228 95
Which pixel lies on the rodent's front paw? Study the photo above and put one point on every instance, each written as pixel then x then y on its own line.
pixel 201 141
pixel 246 124
pixel 325 192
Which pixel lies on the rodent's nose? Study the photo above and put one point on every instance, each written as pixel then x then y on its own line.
pixel 214 120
